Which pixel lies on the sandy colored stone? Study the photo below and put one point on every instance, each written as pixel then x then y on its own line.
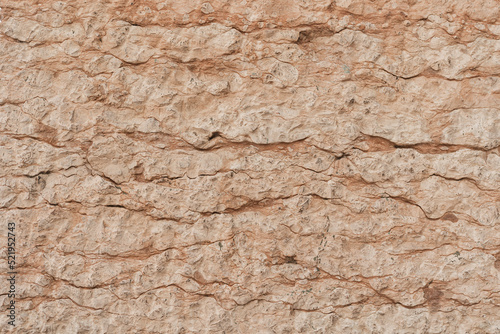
pixel 251 166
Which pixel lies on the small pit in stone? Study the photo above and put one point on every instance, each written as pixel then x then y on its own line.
pixel 214 135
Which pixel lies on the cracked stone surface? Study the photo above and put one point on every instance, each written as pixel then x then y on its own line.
pixel 252 166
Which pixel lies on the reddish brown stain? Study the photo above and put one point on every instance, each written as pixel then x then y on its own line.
pixel 451 217
pixel 198 277
pixel 433 296
pixel 497 261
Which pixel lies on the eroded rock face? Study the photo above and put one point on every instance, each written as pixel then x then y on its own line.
pixel 252 166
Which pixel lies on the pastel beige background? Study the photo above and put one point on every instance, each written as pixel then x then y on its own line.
pixel 252 166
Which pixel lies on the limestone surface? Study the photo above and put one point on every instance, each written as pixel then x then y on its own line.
pixel 251 166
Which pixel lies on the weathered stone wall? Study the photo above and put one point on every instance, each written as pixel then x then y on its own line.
pixel 251 166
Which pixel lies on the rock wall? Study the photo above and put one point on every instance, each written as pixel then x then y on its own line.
pixel 251 166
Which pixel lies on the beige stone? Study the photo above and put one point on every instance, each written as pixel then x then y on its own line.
pixel 251 166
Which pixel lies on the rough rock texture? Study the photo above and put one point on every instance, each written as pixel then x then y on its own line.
pixel 252 166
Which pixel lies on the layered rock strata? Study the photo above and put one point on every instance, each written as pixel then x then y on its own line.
pixel 251 166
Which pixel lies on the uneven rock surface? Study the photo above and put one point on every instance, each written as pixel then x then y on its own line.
pixel 251 166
